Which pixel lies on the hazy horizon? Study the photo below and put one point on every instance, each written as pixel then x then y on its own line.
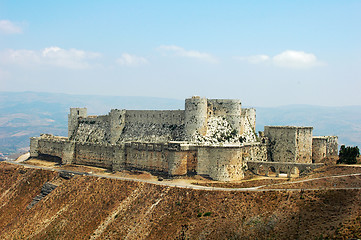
pixel 179 99
pixel 264 53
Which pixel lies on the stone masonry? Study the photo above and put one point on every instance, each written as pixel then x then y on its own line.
pixel 212 137
pixel 289 143
pixel 324 147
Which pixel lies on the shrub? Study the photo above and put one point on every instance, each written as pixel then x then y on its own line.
pixel 348 154
pixel 207 214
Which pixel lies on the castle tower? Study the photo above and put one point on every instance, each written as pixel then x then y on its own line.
pixel 75 113
pixel 233 116
pixel 230 109
pixel 289 143
pixel 195 116
pixel 117 123
pixel 248 117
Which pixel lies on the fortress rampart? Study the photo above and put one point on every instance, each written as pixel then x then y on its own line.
pixel 324 147
pixel 170 117
pixel 213 137
pixel 289 143
pixel 223 163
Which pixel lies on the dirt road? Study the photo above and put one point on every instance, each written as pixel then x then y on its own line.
pixel 184 184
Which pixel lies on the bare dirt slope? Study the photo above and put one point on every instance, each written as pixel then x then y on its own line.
pixel 86 207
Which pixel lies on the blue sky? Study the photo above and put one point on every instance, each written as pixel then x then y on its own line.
pixel 266 53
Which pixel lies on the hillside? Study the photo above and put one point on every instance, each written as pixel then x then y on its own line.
pixel 27 114
pixel 86 207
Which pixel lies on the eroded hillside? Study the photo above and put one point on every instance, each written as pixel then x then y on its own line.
pixel 85 207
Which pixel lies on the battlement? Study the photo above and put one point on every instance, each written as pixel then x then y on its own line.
pixel 213 137
pixel 288 127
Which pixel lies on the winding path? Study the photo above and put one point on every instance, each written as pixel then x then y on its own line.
pixel 198 187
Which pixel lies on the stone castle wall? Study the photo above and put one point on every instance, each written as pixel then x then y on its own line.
pixel 221 164
pixel 130 125
pixel 169 117
pixel 289 143
pixel 73 116
pixel 152 157
pixel 332 146
pixel 195 116
pixel 230 109
pixel 213 137
pixel 93 130
pixel 227 163
pixel 97 155
pixel 153 126
pixel 248 119
pixel 304 144
pixel 161 125
pixel 224 163
pixel 49 146
pixel 324 147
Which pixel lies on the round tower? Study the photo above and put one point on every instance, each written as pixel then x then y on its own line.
pixel 195 116
pixel 230 109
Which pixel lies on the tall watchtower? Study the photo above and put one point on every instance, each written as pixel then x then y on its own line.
pixel 73 116
pixel 195 116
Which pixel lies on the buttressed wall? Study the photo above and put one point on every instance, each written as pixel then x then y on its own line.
pixel 214 137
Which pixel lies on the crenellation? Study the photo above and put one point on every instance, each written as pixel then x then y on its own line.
pixel 213 137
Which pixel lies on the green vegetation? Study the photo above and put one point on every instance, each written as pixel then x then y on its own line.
pixel 348 155
pixel 207 214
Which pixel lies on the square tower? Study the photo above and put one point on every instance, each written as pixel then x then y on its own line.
pixel 324 147
pixel 73 116
pixel 289 143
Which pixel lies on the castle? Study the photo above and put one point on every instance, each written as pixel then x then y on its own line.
pixel 212 137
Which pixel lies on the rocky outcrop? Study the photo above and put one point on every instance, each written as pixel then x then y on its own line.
pixel 45 190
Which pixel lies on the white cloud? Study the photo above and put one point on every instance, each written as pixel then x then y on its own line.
pixel 286 59
pixel 7 27
pixel 295 59
pixel 53 56
pixel 178 51
pixel 131 60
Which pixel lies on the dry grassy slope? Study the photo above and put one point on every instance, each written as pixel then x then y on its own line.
pixel 85 207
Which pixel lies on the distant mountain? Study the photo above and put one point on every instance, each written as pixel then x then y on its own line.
pixel 344 122
pixel 27 114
